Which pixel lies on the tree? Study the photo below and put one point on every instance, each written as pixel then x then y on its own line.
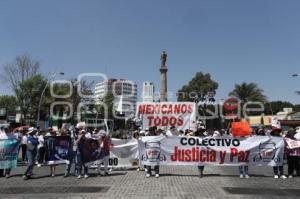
pixel 21 69
pixel 297 107
pixel 28 94
pixel 19 76
pixel 108 101
pixel 274 107
pixel 75 99
pixel 201 87
pixel 248 92
pixel 8 102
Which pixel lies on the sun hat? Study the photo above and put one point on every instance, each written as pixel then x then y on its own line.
pixel 31 130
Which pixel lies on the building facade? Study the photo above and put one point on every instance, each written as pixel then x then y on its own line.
pixel 148 92
pixel 125 95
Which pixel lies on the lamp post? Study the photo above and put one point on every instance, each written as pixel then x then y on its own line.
pixel 52 76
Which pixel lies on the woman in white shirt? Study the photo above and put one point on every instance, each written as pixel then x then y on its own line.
pixel 41 150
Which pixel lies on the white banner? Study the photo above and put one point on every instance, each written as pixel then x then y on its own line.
pixel 220 151
pixel 182 115
pixel 124 153
pixel 292 144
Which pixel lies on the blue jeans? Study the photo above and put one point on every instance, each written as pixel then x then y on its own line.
pixel 79 164
pixel 244 170
pixel 278 170
pixel 72 156
pixel 30 158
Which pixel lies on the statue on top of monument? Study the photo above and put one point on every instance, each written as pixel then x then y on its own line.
pixel 163 59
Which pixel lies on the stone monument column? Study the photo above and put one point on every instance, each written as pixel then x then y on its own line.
pixel 163 78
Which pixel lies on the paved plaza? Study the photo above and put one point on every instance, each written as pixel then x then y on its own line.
pixel 174 182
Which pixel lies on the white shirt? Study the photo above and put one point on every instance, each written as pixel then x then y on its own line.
pixel 24 139
pixel 41 141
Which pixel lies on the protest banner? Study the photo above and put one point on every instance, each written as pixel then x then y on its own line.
pixel 9 153
pixel 58 149
pixel 220 151
pixel 292 144
pixel 124 153
pixel 91 152
pixel 182 115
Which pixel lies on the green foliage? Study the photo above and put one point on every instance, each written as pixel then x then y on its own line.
pixel 248 92
pixel 8 102
pixel 277 106
pixel 297 107
pixel 199 87
pixel 63 89
pixel 22 75
pixel 74 98
pixel 108 102
pixel 28 94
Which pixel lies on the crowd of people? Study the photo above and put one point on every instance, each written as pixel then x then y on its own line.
pixel 33 144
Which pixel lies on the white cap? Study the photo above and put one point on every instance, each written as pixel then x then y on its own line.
pixel 102 132
pixel 80 124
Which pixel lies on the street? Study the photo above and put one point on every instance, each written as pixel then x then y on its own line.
pixel 174 182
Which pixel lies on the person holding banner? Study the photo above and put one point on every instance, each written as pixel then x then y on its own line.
pixel 105 143
pixel 5 134
pixel 79 159
pixel 200 133
pixel 153 132
pixel 50 153
pixel 292 155
pixel 138 135
pixel 278 170
pixel 72 151
pixel 32 143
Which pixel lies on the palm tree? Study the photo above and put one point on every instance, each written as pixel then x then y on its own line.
pixel 248 92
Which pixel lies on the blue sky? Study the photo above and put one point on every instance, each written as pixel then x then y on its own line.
pixel 234 40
